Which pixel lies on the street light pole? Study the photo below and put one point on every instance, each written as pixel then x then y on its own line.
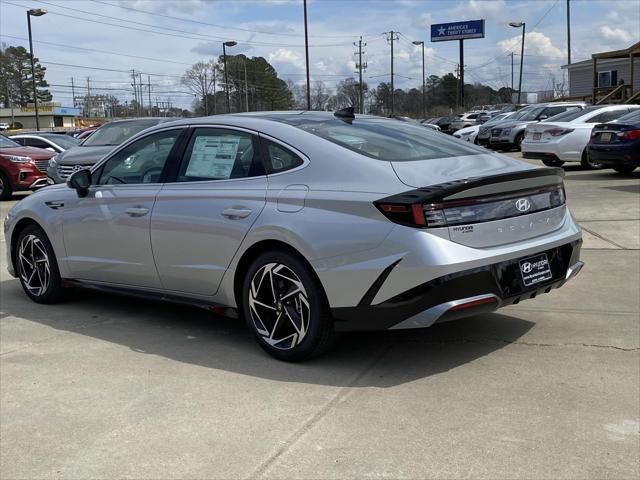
pixel 306 55
pixel 424 86
pixel 518 25
pixel 35 12
pixel 226 78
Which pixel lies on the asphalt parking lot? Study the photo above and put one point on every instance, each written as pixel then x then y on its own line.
pixel 111 387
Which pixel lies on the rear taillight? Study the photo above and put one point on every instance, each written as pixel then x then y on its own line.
pixel 629 135
pixel 558 132
pixel 477 210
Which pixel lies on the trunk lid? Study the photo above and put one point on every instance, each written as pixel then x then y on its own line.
pixel 493 200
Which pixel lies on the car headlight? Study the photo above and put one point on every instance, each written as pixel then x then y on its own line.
pixel 52 162
pixel 18 159
pixel 466 134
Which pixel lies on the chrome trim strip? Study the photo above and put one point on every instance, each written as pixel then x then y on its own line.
pixel 573 270
pixel 430 316
pixel 39 183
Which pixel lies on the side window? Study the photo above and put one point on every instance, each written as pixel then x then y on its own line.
pixel 552 111
pixel 20 141
pixel 279 159
pixel 34 142
pixel 141 162
pixel 219 154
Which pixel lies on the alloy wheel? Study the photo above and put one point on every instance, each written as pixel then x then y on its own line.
pixel 1 185
pixel 279 306
pixel 35 270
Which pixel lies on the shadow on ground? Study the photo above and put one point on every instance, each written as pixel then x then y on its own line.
pixel 194 336
pixel 601 175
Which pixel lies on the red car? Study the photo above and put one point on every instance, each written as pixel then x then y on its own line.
pixel 21 168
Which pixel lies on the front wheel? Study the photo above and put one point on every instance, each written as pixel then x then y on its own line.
pixel 624 169
pixel 286 308
pixel 5 187
pixel 519 139
pixel 37 267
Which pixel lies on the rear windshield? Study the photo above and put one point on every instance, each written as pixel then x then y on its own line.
pixel 385 139
pixel 571 115
pixel 629 117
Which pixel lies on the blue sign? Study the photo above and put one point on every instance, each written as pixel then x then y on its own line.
pixel 66 111
pixel 442 32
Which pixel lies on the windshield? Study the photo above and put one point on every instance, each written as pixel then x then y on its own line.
pixel 497 119
pixel 65 141
pixel 531 114
pixel 632 117
pixel 7 143
pixel 117 132
pixel 384 139
pixel 571 115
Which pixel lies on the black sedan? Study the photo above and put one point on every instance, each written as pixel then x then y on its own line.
pixel 617 144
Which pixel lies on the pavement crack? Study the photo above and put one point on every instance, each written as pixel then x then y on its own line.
pixel 568 344
pixel 319 415
pixel 595 234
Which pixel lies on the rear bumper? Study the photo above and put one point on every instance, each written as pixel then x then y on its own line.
pixel 540 156
pixel 461 294
pixel 616 155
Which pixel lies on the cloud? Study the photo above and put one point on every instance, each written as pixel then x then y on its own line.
pixel 615 34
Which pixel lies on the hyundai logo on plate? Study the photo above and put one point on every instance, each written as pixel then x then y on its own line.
pixel 523 205
pixel 527 267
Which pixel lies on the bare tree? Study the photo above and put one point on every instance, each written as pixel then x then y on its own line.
pixel 200 80
pixel 319 96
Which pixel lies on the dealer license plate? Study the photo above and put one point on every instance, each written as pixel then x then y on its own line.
pixel 605 137
pixel 535 270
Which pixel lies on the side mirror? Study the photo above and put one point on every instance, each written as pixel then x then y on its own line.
pixel 80 181
pixel 543 117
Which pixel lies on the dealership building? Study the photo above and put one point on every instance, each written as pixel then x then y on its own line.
pixel 50 116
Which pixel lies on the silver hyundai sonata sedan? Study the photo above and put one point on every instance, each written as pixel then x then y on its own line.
pixel 305 223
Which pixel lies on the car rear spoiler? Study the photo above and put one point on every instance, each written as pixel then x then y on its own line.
pixel 475 187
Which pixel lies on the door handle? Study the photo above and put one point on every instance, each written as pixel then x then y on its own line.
pixel 54 205
pixel 137 211
pixel 235 213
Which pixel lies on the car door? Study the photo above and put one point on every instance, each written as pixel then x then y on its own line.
pixel 200 219
pixel 106 233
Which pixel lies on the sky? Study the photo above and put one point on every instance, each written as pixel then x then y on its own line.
pixel 105 39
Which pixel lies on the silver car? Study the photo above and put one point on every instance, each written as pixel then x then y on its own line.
pixel 305 223
pixel 510 133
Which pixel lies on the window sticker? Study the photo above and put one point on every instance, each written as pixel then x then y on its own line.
pixel 213 157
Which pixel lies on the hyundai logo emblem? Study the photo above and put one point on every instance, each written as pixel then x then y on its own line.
pixel 526 267
pixel 523 205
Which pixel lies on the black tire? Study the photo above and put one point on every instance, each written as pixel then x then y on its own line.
pixel 291 341
pixel 39 267
pixel 624 169
pixel 5 187
pixel 589 164
pixel 518 142
pixel 553 163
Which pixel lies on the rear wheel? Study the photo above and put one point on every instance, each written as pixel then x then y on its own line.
pixel 5 187
pixel 553 163
pixel 37 267
pixel 588 163
pixel 286 308
pixel 624 169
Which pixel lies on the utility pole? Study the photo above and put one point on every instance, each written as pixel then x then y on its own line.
pixel 511 55
pixel 392 36
pixel 141 95
pixel 568 32
pixel 135 91
pixel 149 91
pixel 88 102
pixel 73 93
pixel 424 86
pixel 246 86
pixel 360 66
pixel 458 89
pixel 215 100
pixel 461 75
pixel 306 51
pixel 205 104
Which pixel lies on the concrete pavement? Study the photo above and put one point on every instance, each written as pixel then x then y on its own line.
pixel 107 386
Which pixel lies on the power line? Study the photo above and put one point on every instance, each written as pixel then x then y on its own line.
pixel 183 19
pixel 185 34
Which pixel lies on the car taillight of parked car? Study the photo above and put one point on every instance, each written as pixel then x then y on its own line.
pixel 629 135
pixel 464 212
pixel 558 132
